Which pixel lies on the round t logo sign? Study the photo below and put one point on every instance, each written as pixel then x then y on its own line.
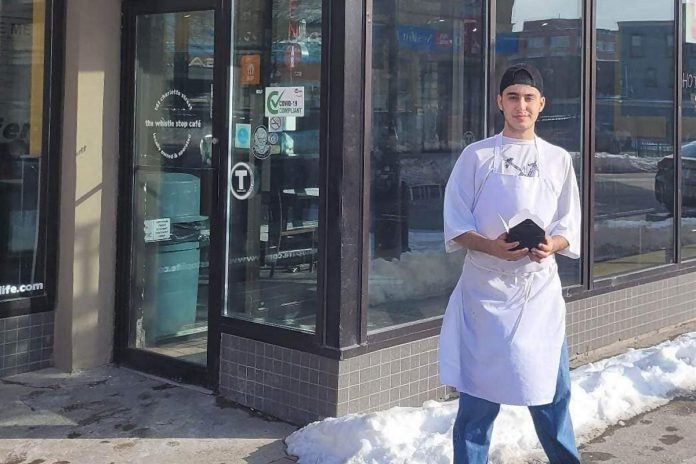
pixel 242 180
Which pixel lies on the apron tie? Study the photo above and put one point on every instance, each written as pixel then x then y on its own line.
pixel 529 280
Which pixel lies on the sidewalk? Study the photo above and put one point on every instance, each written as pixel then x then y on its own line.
pixel 111 415
pixel 666 435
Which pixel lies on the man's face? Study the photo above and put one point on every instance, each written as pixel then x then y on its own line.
pixel 521 105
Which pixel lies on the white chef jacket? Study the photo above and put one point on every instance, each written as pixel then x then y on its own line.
pixel 505 321
pixel 470 171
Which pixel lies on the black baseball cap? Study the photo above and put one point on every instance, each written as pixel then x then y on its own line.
pixel 522 73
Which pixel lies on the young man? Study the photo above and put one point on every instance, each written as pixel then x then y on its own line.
pixel 503 335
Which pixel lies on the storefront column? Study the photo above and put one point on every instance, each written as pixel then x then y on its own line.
pixel 85 296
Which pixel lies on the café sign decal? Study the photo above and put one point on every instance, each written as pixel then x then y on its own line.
pixel 172 124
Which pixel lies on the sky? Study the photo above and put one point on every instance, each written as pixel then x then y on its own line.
pixel 608 11
pixel 604 393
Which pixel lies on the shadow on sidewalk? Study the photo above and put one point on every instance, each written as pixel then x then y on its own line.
pixel 122 409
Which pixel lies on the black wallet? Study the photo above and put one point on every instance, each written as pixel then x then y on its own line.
pixel 528 233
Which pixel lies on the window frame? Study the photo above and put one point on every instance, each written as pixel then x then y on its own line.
pixel 49 193
pixel 340 215
pixel 345 144
pixel 588 287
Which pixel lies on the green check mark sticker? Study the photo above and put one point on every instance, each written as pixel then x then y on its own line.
pixel 274 98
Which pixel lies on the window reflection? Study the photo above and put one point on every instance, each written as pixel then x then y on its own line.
pixel 548 36
pixel 273 234
pixel 634 175
pixel 427 102
pixel 173 184
pixel 21 151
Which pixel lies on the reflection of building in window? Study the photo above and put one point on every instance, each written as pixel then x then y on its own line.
pixel 560 41
pixel 535 46
pixel 427 103
pixel 642 116
pixel 549 44
pixel 606 46
pixel 560 45
pixel 651 77
pixel 636 45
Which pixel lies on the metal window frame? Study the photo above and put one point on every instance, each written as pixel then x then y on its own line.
pixel 337 220
pixel 51 138
pixel 344 265
pixel 677 126
pixel 588 287
pixel 123 354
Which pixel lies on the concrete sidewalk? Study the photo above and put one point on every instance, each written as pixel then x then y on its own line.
pixel 666 435
pixel 111 415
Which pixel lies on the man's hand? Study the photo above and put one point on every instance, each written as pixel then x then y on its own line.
pixel 503 250
pixel 548 247
pixel 499 248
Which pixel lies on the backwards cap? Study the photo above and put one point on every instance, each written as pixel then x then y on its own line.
pixel 522 73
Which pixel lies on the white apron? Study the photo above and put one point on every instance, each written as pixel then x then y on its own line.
pixel 505 322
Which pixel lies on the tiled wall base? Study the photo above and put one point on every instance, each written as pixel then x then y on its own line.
pixel 301 387
pixel 26 343
pixel 288 384
pixel 621 315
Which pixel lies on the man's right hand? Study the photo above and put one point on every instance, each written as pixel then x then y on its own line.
pixel 503 250
pixel 499 248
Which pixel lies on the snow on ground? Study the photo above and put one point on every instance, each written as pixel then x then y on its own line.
pixel 603 394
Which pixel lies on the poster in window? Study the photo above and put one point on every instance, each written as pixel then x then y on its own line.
pixel 251 69
pixel 690 22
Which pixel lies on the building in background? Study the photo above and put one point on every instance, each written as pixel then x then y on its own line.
pixel 250 197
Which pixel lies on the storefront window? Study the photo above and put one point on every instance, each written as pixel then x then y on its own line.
pixel 274 119
pixel 22 156
pixel 427 105
pixel 546 36
pixel 634 175
pixel 688 229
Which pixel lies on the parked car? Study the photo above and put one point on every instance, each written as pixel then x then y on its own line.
pixel 664 179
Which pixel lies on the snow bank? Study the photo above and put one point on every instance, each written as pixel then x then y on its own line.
pixel 603 394
pixel 622 237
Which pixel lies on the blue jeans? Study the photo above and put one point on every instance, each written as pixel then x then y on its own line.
pixel 474 424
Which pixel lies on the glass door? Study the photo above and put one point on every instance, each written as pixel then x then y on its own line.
pixel 171 188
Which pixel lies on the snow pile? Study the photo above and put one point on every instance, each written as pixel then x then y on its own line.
pixel 603 394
